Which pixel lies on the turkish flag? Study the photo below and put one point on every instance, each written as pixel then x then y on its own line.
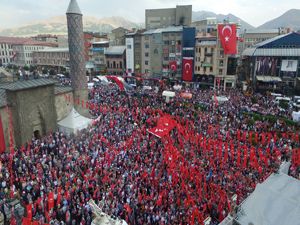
pixel 50 200
pixel 227 35
pixel 29 211
pixel 187 69
pixel 173 65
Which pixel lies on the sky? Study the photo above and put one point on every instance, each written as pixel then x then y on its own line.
pixel 15 13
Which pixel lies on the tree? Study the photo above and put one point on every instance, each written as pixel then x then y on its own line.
pixel 26 68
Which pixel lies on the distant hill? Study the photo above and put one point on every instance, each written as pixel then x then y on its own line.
pixel 201 15
pixel 290 19
pixel 58 25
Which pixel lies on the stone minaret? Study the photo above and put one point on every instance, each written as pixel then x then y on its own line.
pixel 76 51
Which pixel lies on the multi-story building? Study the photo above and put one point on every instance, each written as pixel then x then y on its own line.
pixel 19 51
pixel 97 55
pixel 24 51
pixel 208 25
pixel 117 36
pixel 205 59
pixel 159 47
pixel 51 57
pixel 6 51
pixel 274 64
pixel 159 18
pixel 134 52
pixel 116 60
pixel 49 38
pixel 252 37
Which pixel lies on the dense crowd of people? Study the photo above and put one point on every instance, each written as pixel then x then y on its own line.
pixel 214 152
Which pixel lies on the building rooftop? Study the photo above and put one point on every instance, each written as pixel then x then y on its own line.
pixel 164 30
pixel 262 31
pixel 2 98
pixel 58 89
pixel 73 8
pixel 24 41
pixel 115 50
pixel 26 84
pixel 54 50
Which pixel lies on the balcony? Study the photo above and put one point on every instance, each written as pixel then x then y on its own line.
pixel 208 54
pixel 205 64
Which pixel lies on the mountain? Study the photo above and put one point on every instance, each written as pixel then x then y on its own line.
pixel 201 15
pixel 290 19
pixel 58 25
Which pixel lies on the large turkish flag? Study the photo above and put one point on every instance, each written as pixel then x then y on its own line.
pixel 187 69
pixel 227 35
pixel 173 65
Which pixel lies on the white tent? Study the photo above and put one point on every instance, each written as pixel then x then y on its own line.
pixel 73 122
pixel 275 201
pixel 168 95
pixel 296 116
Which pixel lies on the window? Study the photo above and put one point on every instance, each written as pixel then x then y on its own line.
pixel 128 46
pixel 166 42
pixel 114 64
pixel 146 45
pixel 121 66
pixel 146 54
pixel 146 62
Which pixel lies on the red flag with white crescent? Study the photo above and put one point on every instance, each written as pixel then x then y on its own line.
pixel 227 35
pixel 187 69
pixel 173 66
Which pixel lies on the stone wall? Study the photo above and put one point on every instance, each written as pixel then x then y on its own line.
pixel 63 107
pixel 5 124
pixel 33 109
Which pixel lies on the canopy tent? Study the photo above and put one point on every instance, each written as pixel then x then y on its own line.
pixel 296 116
pixel 73 122
pixel 220 99
pixel 103 79
pixel 275 201
pixel 168 95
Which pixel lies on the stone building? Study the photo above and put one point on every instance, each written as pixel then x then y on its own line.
pixel 52 57
pixel 35 107
pixel 116 60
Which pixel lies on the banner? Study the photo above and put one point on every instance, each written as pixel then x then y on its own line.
pixel 173 66
pixel 289 65
pixel 187 69
pixel 2 140
pixel 227 35
pixel 118 82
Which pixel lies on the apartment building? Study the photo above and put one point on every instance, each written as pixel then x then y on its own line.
pixel 205 59
pixel 159 47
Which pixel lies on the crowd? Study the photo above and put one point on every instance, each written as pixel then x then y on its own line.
pixel 182 178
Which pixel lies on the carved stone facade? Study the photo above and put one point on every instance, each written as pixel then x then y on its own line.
pixel 33 110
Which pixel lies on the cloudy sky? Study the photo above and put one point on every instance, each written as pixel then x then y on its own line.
pixel 14 13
